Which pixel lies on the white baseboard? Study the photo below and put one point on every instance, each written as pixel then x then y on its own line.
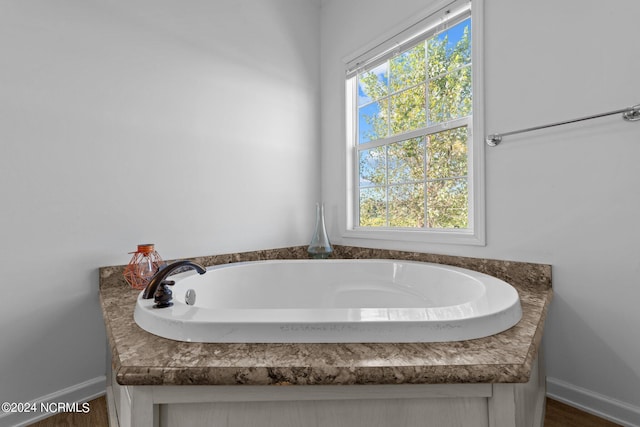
pixel 78 393
pixel 594 403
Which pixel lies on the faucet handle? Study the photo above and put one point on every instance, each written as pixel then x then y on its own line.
pixel 164 295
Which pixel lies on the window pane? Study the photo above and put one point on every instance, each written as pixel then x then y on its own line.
pixel 373 207
pixel 450 96
pixel 422 181
pixel 447 154
pixel 450 49
pixel 406 161
pixel 447 202
pixel 406 205
pixel 372 121
pixel 373 84
pixel 408 110
pixel 407 69
pixel 372 167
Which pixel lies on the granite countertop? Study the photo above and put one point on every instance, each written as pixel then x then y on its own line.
pixel 140 358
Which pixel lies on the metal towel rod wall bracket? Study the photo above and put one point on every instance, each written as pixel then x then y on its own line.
pixel 630 114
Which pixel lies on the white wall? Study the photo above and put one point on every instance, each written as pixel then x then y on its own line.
pixel 191 125
pixel 567 196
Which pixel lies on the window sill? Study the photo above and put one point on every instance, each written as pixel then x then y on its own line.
pixel 455 237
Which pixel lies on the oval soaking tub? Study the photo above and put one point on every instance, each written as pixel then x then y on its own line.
pixel 332 301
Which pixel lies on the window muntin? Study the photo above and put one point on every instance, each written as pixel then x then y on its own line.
pixel 413 122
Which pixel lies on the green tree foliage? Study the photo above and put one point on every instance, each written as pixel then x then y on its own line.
pixel 420 181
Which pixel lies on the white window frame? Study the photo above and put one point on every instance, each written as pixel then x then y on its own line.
pixel 402 35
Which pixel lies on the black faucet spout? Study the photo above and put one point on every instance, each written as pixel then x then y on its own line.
pixel 150 291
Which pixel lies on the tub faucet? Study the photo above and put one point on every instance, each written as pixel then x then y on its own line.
pixel 157 287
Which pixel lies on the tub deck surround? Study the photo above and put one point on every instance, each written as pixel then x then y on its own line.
pixel 140 358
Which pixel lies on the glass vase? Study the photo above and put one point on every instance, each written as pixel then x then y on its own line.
pixel 144 264
pixel 320 247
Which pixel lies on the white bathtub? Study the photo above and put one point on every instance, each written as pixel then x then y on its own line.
pixel 331 301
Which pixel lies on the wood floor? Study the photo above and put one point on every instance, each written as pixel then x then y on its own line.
pixel 557 415
pixel 97 417
pixel 561 415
